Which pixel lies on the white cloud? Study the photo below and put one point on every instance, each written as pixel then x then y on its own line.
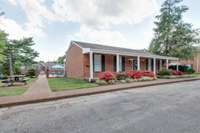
pixel 108 37
pixel 17 31
pixel 96 14
pixel 13 2
pixel 96 18
pixel 104 13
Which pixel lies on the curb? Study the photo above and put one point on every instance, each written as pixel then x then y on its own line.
pixel 52 98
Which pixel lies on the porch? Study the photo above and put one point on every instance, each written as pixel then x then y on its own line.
pixel 96 62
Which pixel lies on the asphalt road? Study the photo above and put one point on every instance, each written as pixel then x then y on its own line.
pixel 171 108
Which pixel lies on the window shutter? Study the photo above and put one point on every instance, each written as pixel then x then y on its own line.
pixel 103 63
pixel 114 63
pixel 123 63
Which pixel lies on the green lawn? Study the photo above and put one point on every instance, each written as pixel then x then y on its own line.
pixel 14 90
pixel 196 74
pixel 59 84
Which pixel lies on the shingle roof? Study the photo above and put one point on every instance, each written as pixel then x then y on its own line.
pixel 94 46
pixel 106 47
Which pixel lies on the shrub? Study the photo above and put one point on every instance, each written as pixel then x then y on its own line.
pixel 135 74
pixel 149 74
pixel 175 72
pixel 31 73
pixel 146 78
pixel 129 80
pixel 190 71
pixel 101 82
pixel 106 76
pixel 140 74
pixel 121 76
pixel 164 72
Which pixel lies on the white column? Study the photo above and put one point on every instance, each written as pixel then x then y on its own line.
pixel 197 64
pixel 160 64
pixel 154 65
pixel 149 64
pixel 177 66
pixel 167 64
pixel 117 63
pixel 138 63
pixel 91 66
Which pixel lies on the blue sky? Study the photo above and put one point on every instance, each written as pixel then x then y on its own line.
pixel 54 23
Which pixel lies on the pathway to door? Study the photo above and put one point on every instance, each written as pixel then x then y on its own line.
pixel 39 88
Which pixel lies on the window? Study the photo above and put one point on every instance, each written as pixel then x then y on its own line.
pixel 121 63
pixel 97 63
pixel 135 64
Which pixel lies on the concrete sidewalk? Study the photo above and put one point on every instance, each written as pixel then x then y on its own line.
pixel 47 96
pixel 39 88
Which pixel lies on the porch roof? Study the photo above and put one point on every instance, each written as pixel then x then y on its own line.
pixel 104 49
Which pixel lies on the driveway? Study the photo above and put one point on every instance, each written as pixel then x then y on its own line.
pixel 171 108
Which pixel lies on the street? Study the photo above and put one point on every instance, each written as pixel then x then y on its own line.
pixel 173 108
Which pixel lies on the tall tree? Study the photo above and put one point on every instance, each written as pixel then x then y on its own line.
pixel 20 52
pixel 3 40
pixel 173 37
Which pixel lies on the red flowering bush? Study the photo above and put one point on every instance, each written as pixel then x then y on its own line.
pixel 149 74
pixel 140 74
pixel 135 74
pixel 175 72
pixel 106 76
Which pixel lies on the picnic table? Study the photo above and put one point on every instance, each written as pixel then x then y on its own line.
pixel 15 79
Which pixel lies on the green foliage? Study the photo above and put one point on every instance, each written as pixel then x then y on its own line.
pixel 121 76
pixel 164 72
pixel 172 36
pixel 31 73
pixel 3 39
pixel 21 53
pixel 59 84
pixel 61 59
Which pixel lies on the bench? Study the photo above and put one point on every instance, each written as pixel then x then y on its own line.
pixel 15 80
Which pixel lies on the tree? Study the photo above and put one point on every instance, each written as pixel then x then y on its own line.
pixel 61 59
pixel 3 40
pixel 173 37
pixel 20 53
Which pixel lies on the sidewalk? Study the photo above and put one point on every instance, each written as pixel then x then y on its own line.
pixel 39 88
pixel 47 95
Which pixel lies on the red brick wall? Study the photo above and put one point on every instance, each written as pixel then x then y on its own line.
pixel 74 64
pixel 128 63
pixel 143 64
pixel 195 62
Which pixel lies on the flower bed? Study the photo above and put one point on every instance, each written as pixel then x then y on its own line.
pixel 125 77
pixel 173 74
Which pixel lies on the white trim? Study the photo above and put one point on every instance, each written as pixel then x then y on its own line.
pixel 138 63
pixel 85 50
pixel 117 63
pixel 154 65
pixel 149 64
pixel 72 42
pixel 91 66
pixel 167 64
pixel 133 54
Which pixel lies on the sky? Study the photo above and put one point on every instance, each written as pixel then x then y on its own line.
pixel 54 23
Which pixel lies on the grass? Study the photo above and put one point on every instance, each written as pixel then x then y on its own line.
pixel 59 84
pixel 180 76
pixel 14 90
pixel 196 74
